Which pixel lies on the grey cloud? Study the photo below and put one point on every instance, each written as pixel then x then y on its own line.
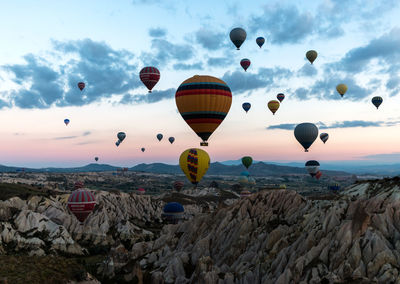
pixel 65 137
pixel 210 39
pixel 219 61
pixel 157 32
pixel 308 70
pixel 183 66
pixel 152 97
pixel 339 124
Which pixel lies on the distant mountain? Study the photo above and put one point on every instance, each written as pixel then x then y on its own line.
pixel 158 168
pixel 87 168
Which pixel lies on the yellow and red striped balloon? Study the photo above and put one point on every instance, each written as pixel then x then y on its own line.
pixel 273 106
pixel 203 102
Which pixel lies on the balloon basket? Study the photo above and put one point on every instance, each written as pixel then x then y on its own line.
pixel 203 143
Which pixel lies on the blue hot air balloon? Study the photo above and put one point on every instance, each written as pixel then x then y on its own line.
pixel 260 41
pixel 66 121
pixel 377 101
pixel 246 106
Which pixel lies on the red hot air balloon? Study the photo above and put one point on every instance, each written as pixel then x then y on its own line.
pixel 81 85
pixel 81 203
pixel 245 63
pixel 149 76
pixel 318 174
pixel 178 185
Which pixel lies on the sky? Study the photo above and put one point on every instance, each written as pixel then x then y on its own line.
pixel 49 46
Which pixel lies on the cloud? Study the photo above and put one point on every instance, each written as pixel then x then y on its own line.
pixel 340 124
pixel 86 133
pixel 210 39
pixel 42 84
pixel 157 32
pixel 183 66
pixel 240 81
pixel 166 51
pixel 307 70
pixel 219 61
pixel 388 156
pixel 153 97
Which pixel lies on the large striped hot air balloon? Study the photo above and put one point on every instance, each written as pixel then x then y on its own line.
pixel 194 163
pixel 81 203
pixel 203 102
pixel 273 106
pixel 149 76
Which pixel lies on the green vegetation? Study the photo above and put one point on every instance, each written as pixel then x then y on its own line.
pixel 23 191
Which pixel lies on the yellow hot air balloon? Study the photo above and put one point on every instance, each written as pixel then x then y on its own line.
pixel 203 102
pixel 273 106
pixel 194 163
pixel 342 89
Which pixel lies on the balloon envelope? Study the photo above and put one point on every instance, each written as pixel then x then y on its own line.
pixel 81 203
pixel 306 133
pixel 260 41
pixel 159 136
pixel 245 63
pixel 280 97
pixel 142 149
pixel 96 158
pixel 194 163
pixel 117 143
pixel 203 102
pixel 81 85
pixel 273 106
pixel 121 136
pixel 149 76
pixel 238 36
pixel 342 89
pixel 311 55
pixel 66 121
pixel 178 185
pixel 247 161
pixel 246 106
pixel 377 101
pixel 171 140
pixel 324 137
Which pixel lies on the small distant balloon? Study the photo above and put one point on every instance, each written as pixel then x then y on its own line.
pixel 159 136
pixel 81 86
pixel 238 36
pixel 143 149
pixel 149 76
pixel 66 121
pixel 324 137
pixel 245 63
pixel 96 158
pixel 247 161
pixel 311 55
pixel 81 203
pixel 377 101
pixel 273 106
pixel 171 140
pixel 117 143
pixel 280 97
pixel 246 107
pixel 121 136
pixel 342 89
pixel 260 41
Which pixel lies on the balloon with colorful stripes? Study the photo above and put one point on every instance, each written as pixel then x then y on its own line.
pixel 245 63
pixel 149 76
pixel 203 102
pixel 81 203
pixel 280 97
pixel 273 106
pixel 194 163
pixel 81 86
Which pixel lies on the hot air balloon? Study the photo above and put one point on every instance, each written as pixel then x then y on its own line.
pixel 245 193
pixel 171 140
pixel 78 185
pixel 66 121
pixel 149 76
pixel 245 63
pixel 178 185
pixel 203 102
pixel 311 55
pixel 280 97
pixel 273 106
pixel 238 36
pixel 318 175
pixel 81 203
pixel 377 101
pixel 173 212
pixel 194 163
pixel 246 106
pixel 306 133
pixel 96 158
pixel 260 41
pixel 142 149
pixel 334 187
pixel 140 191
pixel 247 161
pixel 324 137
pixel 81 85
pixel 312 167
pixel 117 143
pixel 159 136
pixel 342 89
pixel 121 136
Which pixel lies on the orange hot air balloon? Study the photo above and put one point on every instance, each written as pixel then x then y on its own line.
pixel 273 106
pixel 203 102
